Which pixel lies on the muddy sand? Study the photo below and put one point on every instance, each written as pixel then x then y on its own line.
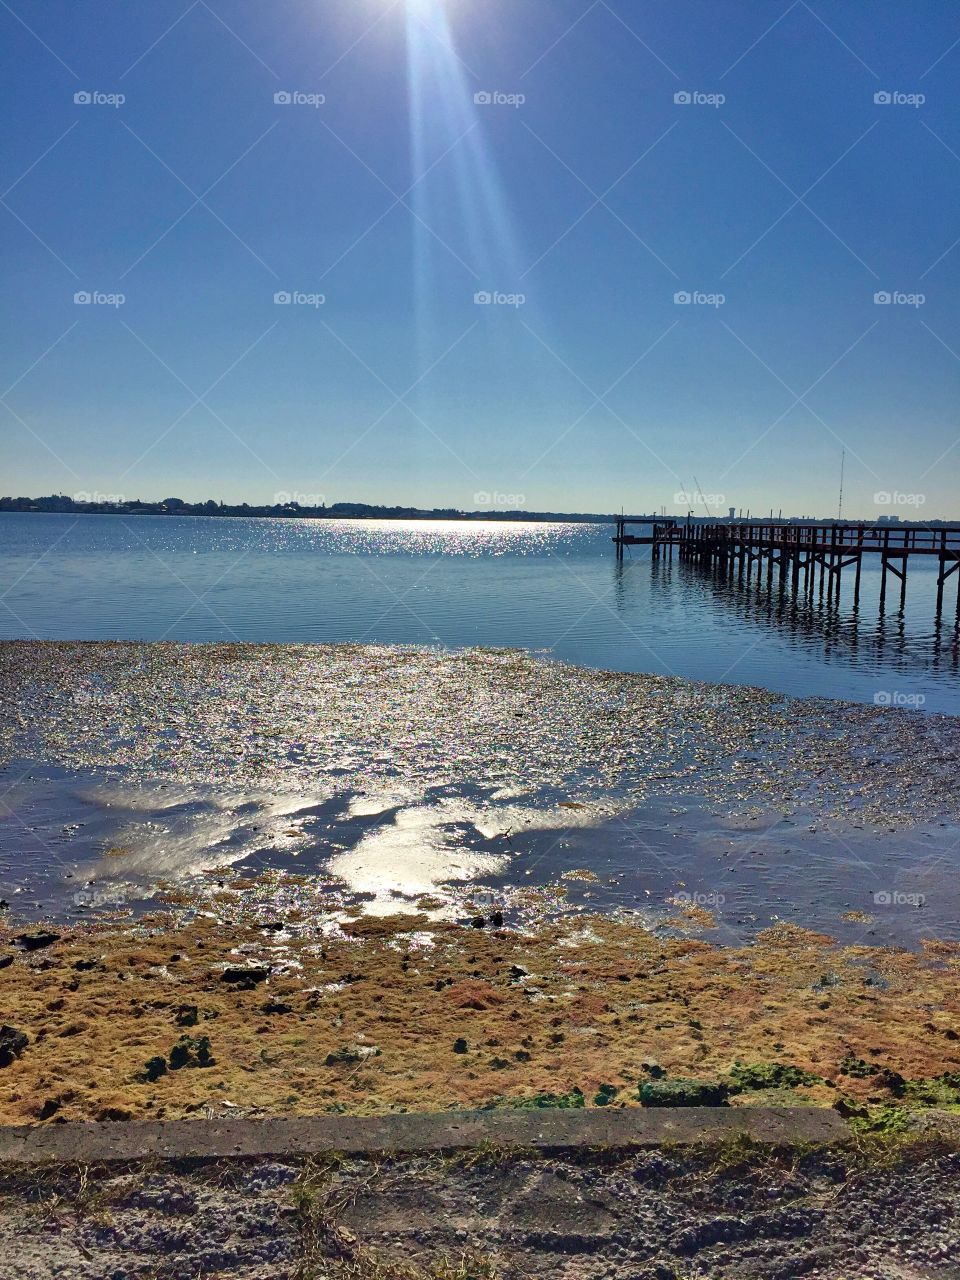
pixel 727 1214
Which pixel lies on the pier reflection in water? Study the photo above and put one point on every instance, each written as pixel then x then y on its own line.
pixel 835 626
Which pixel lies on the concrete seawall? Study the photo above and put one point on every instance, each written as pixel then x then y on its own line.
pixel 411 1132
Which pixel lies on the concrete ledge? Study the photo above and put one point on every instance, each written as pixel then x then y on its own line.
pixel 310 1135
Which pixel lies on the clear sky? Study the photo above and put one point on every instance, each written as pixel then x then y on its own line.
pixel 781 197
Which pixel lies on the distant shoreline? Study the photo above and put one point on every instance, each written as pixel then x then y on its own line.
pixel 62 505
pixel 339 511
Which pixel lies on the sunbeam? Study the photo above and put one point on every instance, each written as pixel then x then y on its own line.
pixel 470 220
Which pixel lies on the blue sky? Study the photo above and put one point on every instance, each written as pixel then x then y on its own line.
pixel 584 197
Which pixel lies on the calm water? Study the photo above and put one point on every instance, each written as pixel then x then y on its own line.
pixel 555 588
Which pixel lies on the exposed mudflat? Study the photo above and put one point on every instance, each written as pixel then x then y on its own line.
pixel 348 716
pixel 398 890
pixel 726 1214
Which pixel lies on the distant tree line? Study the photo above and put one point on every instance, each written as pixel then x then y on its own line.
pixel 110 504
pixel 114 504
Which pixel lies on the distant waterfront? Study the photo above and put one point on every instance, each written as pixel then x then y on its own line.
pixel 296 507
pixel 552 588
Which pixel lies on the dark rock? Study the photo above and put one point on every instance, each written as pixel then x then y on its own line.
pixel 849 1109
pixel 5 960
pixel 83 965
pixel 496 919
pixel 35 941
pixel 12 1044
pixel 154 1068
pixel 188 1015
pixel 341 1057
pixel 49 1108
pixel 605 1095
pixel 478 922
pixel 277 1006
pixel 115 1113
pixel 245 979
pixel 349 1054
pixel 892 1081
pixel 460 1045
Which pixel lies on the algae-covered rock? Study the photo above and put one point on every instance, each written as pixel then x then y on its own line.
pixel 857 1067
pixel 191 1052
pixel 683 1093
pixel 771 1075
pixel 574 1099
pixel 936 1091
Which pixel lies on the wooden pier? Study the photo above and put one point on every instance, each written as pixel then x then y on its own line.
pixel 810 558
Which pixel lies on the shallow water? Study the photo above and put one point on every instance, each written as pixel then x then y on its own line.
pixel 553 588
pixel 469 780
pixel 409 779
pixel 73 845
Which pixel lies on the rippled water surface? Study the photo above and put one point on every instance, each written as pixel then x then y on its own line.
pixel 409 778
pixel 553 588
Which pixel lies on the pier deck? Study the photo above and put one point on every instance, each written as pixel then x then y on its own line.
pixel 812 557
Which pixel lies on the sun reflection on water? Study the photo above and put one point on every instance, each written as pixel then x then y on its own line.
pixel 439 537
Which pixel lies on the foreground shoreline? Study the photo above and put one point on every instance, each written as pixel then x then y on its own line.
pixel 266 994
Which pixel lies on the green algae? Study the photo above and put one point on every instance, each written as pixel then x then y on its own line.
pixel 771 1075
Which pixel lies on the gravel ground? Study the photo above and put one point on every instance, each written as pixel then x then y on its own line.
pixel 494 1216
